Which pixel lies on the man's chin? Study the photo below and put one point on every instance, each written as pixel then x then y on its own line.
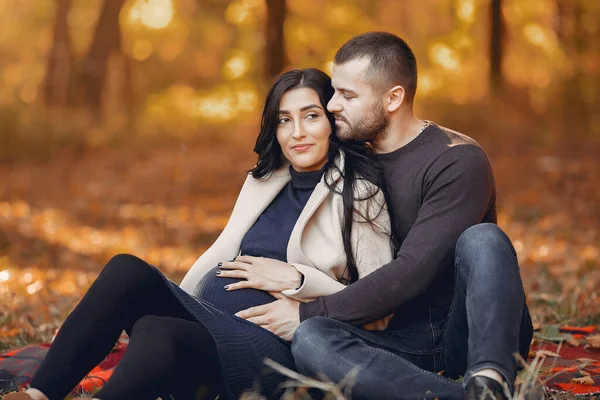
pixel 344 134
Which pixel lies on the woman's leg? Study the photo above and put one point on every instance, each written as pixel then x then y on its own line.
pixel 126 290
pixel 166 355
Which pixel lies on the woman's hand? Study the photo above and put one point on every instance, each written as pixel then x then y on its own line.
pixel 260 273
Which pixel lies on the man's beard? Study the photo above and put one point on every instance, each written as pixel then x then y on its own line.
pixel 369 129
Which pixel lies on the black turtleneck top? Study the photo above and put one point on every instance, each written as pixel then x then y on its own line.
pixel 268 237
pixel 270 234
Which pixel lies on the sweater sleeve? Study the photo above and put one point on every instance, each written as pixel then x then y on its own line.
pixel 371 245
pixel 458 190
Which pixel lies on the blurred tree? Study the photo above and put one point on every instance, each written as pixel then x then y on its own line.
pixel 578 93
pixel 60 61
pixel 496 46
pixel 93 71
pixel 275 43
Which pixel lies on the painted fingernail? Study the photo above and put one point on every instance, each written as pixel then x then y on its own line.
pixel 218 272
pixel 219 264
pixel 226 287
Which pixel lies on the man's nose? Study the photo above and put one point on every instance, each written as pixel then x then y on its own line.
pixel 333 105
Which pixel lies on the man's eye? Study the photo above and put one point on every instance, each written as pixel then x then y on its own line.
pixel 345 96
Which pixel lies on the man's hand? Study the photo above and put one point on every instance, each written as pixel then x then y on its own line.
pixel 261 273
pixel 281 317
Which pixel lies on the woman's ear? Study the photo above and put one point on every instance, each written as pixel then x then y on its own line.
pixel 395 98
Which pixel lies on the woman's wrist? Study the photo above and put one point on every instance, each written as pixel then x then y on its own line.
pixel 297 279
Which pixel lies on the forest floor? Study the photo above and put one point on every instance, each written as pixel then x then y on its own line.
pixel 62 219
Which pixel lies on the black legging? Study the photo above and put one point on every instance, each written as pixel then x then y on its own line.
pixel 168 353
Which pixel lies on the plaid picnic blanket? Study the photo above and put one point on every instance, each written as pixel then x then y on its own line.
pixel 568 366
pixel 563 367
pixel 17 367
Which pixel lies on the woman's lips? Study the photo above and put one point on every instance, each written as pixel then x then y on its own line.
pixel 302 147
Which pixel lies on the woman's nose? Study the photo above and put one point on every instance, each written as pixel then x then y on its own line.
pixel 298 131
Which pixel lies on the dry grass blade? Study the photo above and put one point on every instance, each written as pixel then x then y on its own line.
pixel 301 381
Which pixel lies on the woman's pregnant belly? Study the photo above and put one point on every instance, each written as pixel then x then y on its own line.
pixel 211 289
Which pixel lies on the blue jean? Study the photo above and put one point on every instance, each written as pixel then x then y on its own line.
pixel 488 321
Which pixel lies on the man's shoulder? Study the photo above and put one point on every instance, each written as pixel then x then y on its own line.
pixel 452 138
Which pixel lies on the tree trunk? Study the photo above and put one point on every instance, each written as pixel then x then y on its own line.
pixel 92 76
pixel 58 69
pixel 275 44
pixel 496 46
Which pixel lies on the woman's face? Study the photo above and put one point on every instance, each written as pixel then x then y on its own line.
pixel 303 129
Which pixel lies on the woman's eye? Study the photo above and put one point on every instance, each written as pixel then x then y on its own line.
pixel 283 120
pixel 312 116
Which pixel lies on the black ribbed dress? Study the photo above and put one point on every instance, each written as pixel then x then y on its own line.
pixel 242 345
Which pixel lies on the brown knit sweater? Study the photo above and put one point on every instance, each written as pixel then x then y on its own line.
pixel 439 184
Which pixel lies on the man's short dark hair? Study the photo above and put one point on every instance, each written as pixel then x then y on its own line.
pixel 392 62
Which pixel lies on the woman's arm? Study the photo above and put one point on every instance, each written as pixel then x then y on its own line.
pixel 315 284
pixel 221 250
pixel 371 245
pixel 227 245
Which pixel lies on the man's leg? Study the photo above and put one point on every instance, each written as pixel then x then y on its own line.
pixel 325 346
pixel 489 321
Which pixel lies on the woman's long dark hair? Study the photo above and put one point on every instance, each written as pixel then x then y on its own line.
pixel 358 166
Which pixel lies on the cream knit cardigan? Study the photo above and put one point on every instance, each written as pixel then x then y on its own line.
pixel 316 246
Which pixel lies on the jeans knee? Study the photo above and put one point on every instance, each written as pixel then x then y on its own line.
pixel 481 235
pixel 486 246
pixel 310 344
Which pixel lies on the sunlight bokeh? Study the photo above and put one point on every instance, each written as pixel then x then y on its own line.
pixel 155 14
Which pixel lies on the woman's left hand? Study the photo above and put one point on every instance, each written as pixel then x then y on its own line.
pixel 260 273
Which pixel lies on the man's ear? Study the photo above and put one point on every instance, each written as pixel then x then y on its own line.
pixel 395 98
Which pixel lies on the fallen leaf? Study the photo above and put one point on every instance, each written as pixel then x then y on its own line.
pixel 546 353
pixel 593 341
pixel 586 380
pixel 551 333
pixel 573 341
pixel 586 360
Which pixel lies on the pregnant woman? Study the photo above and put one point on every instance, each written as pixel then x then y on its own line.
pixel 310 219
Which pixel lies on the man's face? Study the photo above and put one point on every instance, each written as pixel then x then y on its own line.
pixel 358 110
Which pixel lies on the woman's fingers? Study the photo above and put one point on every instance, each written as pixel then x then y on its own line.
pixel 235 265
pixel 245 259
pixel 240 285
pixel 232 273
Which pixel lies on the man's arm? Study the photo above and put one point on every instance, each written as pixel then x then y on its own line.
pixel 459 190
